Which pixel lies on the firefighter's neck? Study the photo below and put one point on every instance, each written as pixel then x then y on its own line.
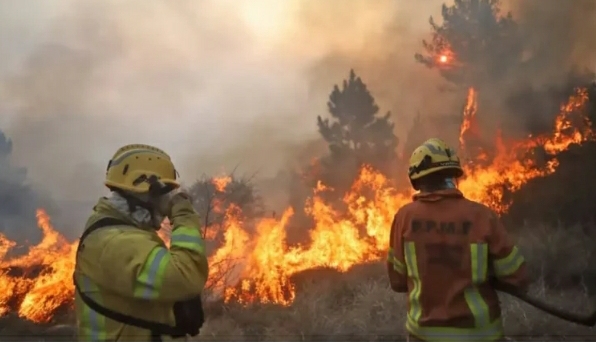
pixel 438 185
pixel 142 216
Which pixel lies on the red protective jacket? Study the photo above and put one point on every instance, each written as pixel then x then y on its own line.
pixel 443 251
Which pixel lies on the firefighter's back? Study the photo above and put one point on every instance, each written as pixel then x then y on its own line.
pixel 446 251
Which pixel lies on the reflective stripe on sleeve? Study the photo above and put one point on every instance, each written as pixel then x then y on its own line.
pixel 93 324
pixel 509 264
pixel 188 238
pixel 398 266
pixel 479 254
pixel 149 281
pixel 410 255
pixel 479 265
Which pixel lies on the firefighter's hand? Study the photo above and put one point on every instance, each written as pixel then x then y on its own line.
pixel 168 202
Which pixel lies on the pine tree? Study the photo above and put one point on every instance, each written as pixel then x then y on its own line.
pixel 355 133
pixel 475 43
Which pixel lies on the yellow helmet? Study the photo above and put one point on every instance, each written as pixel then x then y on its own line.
pixel 132 166
pixel 432 156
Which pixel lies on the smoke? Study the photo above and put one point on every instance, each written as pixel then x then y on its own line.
pixel 525 70
pixel 559 35
pixel 221 83
pixel 216 83
pixel 558 54
pixel 378 39
pixel 17 200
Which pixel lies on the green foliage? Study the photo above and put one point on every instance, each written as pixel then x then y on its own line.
pixel 355 133
pixel 480 42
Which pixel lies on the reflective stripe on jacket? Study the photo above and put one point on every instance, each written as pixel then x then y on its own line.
pixel 130 270
pixel 443 251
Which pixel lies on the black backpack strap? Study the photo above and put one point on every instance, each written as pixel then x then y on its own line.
pixel 156 329
pixel 101 223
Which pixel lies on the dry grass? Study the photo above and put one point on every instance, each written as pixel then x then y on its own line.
pixel 359 305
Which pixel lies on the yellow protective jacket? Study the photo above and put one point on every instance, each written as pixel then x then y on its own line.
pixel 128 269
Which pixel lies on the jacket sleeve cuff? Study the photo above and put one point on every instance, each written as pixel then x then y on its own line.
pixel 184 214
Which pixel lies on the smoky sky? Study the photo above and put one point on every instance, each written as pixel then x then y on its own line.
pixel 559 33
pixel 220 83
pixel 215 83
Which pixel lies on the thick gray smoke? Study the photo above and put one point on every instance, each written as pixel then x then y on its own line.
pixel 187 76
pixel 18 202
pixel 217 83
pixel 558 51
pixel 559 33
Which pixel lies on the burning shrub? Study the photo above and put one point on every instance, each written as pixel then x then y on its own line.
pixel 213 196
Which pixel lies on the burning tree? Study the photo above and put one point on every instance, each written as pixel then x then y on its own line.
pixel 224 203
pixel 566 196
pixel 481 49
pixel 212 196
pixel 475 43
pixel 356 134
pixel 253 261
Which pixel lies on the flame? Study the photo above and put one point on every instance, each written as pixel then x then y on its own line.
pixel 570 129
pixel 252 262
pixel 512 167
pixel 37 284
pixel 221 183
pixel 469 124
pixel 446 59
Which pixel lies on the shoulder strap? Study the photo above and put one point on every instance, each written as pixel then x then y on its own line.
pixel 154 327
pixel 101 223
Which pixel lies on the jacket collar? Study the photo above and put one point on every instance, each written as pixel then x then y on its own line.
pixel 107 207
pixel 437 195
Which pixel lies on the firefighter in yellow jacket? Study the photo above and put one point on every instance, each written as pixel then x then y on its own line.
pixel 130 286
pixel 447 252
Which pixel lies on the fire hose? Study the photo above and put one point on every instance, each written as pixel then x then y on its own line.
pixel 586 320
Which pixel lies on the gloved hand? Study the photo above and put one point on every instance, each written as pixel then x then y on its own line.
pixel 168 201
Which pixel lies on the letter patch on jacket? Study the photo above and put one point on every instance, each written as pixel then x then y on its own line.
pixel 430 226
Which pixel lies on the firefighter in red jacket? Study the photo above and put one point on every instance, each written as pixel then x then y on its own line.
pixel 446 251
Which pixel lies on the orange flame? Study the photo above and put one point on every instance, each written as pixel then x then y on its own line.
pixel 221 183
pixel 254 263
pixel 468 124
pixel 40 282
pixel 445 59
